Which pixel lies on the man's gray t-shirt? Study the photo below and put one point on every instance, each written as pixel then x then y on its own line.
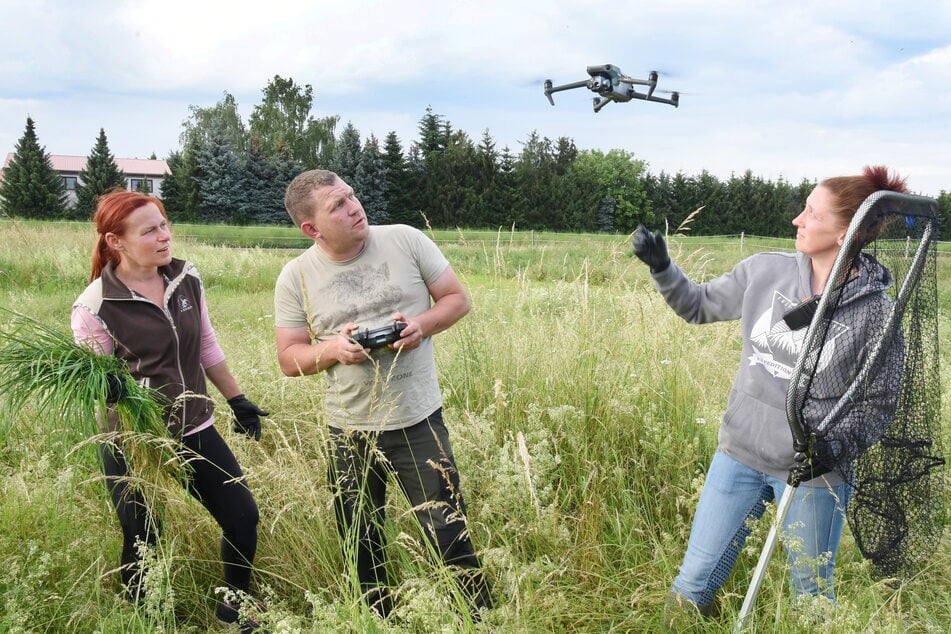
pixel 390 390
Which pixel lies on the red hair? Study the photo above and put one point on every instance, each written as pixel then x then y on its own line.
pixel 112 209
pixel 848 192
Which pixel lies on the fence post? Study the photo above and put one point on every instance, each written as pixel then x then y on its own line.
pixel 742 234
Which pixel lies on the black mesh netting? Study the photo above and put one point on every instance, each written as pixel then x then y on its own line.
pixel 866 395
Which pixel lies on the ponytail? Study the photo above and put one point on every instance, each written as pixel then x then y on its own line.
pixel 102 254
pixel 879 178
pixel 849 192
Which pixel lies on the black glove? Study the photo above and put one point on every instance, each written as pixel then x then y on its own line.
pixel 247 415
pixel 651 249
pixel 822 462
pixel 115 387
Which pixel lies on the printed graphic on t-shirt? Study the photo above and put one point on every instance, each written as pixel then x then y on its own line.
pixel 361 290
pixel 776 347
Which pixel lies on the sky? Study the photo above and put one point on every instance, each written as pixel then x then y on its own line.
pixel 802 89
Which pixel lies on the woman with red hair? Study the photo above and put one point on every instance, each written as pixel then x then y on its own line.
pixel 755 453
pixel 148 308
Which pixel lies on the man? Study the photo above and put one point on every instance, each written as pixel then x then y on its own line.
pixel 383 404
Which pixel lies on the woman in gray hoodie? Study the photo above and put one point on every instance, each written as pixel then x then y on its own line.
pixel 755 453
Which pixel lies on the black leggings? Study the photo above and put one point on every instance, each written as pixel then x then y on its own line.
pixel 209 482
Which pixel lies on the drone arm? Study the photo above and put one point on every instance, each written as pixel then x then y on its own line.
pixel 673 101
pixel 628 82
pixel 577 84
pixel 550 89
pixel 639 82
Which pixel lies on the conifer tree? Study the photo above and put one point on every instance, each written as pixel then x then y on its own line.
pixel 221 166
pixel 346 154
pixel 179 189
pixel 433 133
pixel 265 181
pixel 397 183
pixel 100 175
pixel 944 214
pixel 370 182
pixel 31 188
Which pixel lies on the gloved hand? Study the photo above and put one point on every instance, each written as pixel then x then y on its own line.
pixel 651 249
pixel 247 415
pixel 115 387
pixel 821 463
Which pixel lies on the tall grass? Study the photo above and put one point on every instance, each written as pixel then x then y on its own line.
pixel 583 414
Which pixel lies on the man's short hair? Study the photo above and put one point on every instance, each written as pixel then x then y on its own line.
pixel 299 200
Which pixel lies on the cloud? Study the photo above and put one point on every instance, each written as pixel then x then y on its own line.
pixel 802 89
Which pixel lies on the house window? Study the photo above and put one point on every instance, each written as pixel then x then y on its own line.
pixel 141 185
pixel 69 182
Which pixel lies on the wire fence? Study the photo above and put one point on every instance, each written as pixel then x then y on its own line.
pixel 283 237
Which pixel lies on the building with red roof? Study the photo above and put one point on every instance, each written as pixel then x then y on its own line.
pixel 151 172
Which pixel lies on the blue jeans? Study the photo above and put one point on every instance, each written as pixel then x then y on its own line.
pixel 733 496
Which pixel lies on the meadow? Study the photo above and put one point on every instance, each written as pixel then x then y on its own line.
pixel 583 414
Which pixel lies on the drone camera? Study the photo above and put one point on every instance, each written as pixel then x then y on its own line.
pixel 601 84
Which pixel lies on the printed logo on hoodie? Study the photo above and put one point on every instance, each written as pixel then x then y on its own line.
pixel 776 347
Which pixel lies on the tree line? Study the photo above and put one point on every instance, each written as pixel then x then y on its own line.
pixel 229 171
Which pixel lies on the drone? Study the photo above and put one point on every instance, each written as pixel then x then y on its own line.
pixel 613 85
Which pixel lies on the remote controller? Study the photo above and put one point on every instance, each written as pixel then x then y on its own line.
pixel 378 337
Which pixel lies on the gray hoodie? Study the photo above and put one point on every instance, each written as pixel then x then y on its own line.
pixel 759 291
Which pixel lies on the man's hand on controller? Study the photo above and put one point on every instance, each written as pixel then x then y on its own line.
pixel 347 351
pixel 412 335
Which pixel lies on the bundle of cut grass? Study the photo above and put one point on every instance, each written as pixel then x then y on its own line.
pixel 44 370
